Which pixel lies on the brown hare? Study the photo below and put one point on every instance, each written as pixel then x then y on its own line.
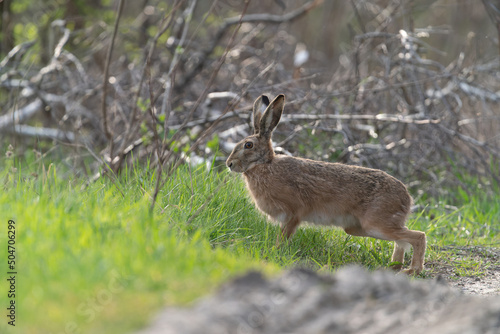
pixel 364 202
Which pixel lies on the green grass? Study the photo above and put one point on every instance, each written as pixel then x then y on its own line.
pixel 95 259
pixel 458 235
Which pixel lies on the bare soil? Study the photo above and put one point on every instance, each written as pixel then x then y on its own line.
pixel 478 275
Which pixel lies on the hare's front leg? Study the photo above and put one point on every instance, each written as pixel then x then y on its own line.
pixel 287 229
pixel 356 231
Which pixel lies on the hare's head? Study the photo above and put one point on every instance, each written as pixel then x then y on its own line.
pixel 257 149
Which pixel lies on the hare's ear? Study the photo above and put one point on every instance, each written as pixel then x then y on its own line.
pixel 259 106
pixel 272 116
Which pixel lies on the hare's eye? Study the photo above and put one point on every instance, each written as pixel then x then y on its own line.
pixel 248 144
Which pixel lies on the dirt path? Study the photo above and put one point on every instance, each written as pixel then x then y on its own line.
pixel 484 280
pixel 488 285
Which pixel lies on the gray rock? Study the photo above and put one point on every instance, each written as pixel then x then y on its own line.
pixel 352 301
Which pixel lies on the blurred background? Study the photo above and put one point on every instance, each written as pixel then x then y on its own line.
pixel 411 87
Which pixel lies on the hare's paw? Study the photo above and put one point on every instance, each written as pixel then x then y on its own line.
pixel 411 271
pixel 396 266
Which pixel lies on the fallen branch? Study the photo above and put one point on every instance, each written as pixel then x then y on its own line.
pixel 470 140
pixel 379 117
pixel 20 114
pixel 270 18
pixel 48 133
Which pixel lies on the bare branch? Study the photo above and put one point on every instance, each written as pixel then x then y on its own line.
pixel 107 130
pixel 47 133
pixel 20 115
pixel 17 52
pixel 264 18
pixel 169 81
pixel 269 18
pixel 379 117
pixel 132 127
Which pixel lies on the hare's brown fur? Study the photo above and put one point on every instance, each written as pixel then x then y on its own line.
pixel 362 201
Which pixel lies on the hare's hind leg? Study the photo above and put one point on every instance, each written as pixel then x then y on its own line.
pixel 391 227
pixel 418 241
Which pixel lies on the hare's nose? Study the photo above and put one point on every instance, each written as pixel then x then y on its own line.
pixel 230 164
